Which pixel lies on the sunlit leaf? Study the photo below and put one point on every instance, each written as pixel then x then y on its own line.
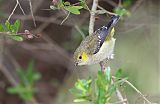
pixel 16 25
pixel 79 100
pixel 121 11
pixel 1 28
pixel 73 9
pixel 7 24
pixel 67 3
pixel 108 74
pixel 83 4
pixel 127 3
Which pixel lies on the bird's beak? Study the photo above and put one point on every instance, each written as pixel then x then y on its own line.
pixel 76 63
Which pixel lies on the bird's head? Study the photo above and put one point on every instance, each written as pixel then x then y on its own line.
pixel 80 57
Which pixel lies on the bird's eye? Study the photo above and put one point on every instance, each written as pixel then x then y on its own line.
pixel 80 57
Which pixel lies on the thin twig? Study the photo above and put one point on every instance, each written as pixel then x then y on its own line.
pixel 12 12
pixel 17 3
pixel 120 97
pixel 130 84
pixel 92 16
pixel 118 102
pixel 108 12
pixel 30 5
pixel 65 18
pixel 79 30
pixel 21 7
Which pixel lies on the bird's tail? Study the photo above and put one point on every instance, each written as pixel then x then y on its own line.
pixel 113 21
pixel 110 25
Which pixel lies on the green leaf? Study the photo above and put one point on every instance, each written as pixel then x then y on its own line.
pixel 36 76
pixel 127 3
pixel 67 3
pixel 121 11
pixel 78 100
pixel 16 37
pixel 108 74
pixel 26 96
pixel 7 24
pixel 73 9
pixel 118 73
pixel 84 5
pixel 15 89
pixel 16 25
pixel 1 28
pixel 22 76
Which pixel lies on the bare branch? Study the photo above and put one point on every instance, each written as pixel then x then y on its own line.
pixel 92 16
pixel 21 7
pixel 30 5
pixel 120 97
pixel 130 84
pixel 110 13
pixel 17 3
pixel 79 30
pixel 12 12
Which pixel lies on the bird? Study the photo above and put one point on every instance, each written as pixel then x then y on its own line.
pixel 98 46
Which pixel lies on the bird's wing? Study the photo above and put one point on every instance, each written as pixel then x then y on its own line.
pixel 101 37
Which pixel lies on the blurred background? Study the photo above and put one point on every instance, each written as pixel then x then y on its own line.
pixel 136 50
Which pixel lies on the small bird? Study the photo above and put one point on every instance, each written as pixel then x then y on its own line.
pixel 98 46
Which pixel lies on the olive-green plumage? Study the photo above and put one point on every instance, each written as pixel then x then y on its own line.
pixel 97 46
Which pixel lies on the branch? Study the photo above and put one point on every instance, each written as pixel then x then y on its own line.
pixel 17 3
pixel 105 11
pixel 118 93
pixel 92 16
pixel 12 11
pixel 120 97
pixel 130 84
pixel 30 5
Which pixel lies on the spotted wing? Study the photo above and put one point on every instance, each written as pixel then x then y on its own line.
pixel 101 35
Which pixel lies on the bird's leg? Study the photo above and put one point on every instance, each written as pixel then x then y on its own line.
pixel 103 66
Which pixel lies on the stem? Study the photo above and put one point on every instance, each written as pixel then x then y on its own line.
pixel 92 16
pixel 30 5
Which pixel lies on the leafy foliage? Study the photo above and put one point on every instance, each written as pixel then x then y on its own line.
pixel 74 9
pixel 25 89
pixel 11 30
pixel 103 88
pixel 82 90
pixel 67 6
pixel 122 9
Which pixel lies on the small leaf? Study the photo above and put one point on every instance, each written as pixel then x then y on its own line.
pixel 127 3
pixel 84 5
pixel 36 76
pixel 108 73
pixel 79 100
pixel 27 95
pixel 67 3
pixel 13 90
pixel 1 28
pixel 16 26
pixel 16 37
pixel 121 11
pixel 73 9
pixel 118 73
pixel 7 24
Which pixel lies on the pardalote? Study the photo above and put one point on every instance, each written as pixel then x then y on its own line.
pixel 98 46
